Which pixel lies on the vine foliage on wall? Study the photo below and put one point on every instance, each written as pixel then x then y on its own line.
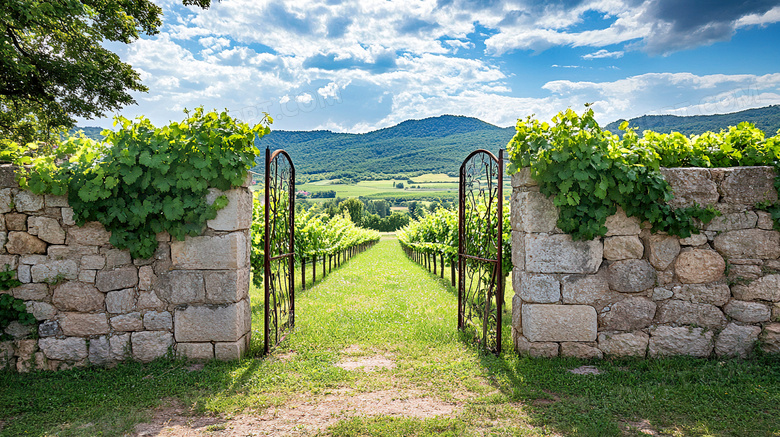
pixel 589 172
pixel 143 180
pixel 11 309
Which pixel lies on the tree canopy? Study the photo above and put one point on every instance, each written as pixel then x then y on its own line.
pixel 53 66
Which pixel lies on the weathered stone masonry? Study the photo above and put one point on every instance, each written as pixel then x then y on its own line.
pixel 95 304
pixel 637 293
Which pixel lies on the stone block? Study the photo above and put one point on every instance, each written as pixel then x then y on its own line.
pixel 536 349
pixel 631 276
pixel 127 322
pixel 99 351
pixel 694 240
pixel 11 260
pixel 91 234
pixel 6 355
pixel 83 325
pixel 523 178
pixel 748 243
pixel 148 300
pixel 147 346
pixel 736 340
pixel 226 323
pixel 230 351
pixel 765 221
pixel 195 351
pixel 18 331
pixel 623 247
pixel 747 185
pixel 87 276
pixel 24 274
pixel 226 287
pixel 47 229
pixel 145 277
pixel 117 258
pixel 120 347
pixel 559 323
pixel 631 344
pixel 662 250
pixel 535 288
pixel 181 287
pixel 560 254
pixel 78 296
pixel 589 290
pixel 770 340
pixel 16 222
pixel 93 262
pixel 680 312
pixel 237 215
pixel 733 221
pixel 620 224
pixel 32 292
pixel 748 312
pixel 766 288
pixel 715 294
pixel 41 310
pixel 66 349
pixel 691 185
pixel 154 321
pixel 22 243
pixel 121 301
pixel 52 201
pixel 49 328
pixel 667 341
pixel 580 350
pixel 660 293
pixel 537 213
pixel 67 217
pixel 55 271
pixel 225 252
pixel 117 279
pixel 3 239
pixel 699 266
pixel 629 314
pixel 518 250
pixel 6 199
pixel 74 252
pixel 26 201
pixel 33 259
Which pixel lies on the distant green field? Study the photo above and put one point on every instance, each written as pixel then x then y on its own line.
pixel 384 189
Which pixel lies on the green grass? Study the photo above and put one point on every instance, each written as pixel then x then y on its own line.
pixel 383 189
pixel 381 303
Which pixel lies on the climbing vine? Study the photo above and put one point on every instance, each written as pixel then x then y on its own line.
pixel 143 180
pixel 11 309
pixel 589 172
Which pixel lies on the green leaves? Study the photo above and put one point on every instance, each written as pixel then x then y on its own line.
pixel 590 172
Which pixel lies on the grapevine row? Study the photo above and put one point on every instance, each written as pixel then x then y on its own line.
pixel 433 241
pixel 318 239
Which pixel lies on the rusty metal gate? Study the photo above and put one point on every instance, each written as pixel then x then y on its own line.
pixel 480 278
pixel 279 246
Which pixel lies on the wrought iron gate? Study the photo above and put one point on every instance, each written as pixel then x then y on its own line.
pixel 480 279
pixel 279 246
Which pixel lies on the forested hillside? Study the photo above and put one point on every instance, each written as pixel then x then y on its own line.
pixel 767 119
pixel 431 145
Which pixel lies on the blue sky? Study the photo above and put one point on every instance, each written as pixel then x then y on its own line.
pixel 357 66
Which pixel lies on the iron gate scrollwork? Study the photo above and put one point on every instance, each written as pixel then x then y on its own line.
pixel 279 246
pixel 480 278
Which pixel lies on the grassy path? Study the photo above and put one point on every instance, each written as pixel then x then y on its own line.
pixel 375 352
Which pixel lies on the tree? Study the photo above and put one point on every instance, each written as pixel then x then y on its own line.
pixel 355 209
pixel 54 67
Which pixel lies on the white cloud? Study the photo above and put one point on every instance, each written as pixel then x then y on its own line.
pixel 603 54
pixel 304 98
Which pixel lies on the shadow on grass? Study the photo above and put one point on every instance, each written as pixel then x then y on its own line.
pixel 679 395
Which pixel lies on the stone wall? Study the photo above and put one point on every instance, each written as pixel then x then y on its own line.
pixel 638 293
pixel 97 305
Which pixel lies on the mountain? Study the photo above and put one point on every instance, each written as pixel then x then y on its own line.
pixel 431 145
pixel 767 119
